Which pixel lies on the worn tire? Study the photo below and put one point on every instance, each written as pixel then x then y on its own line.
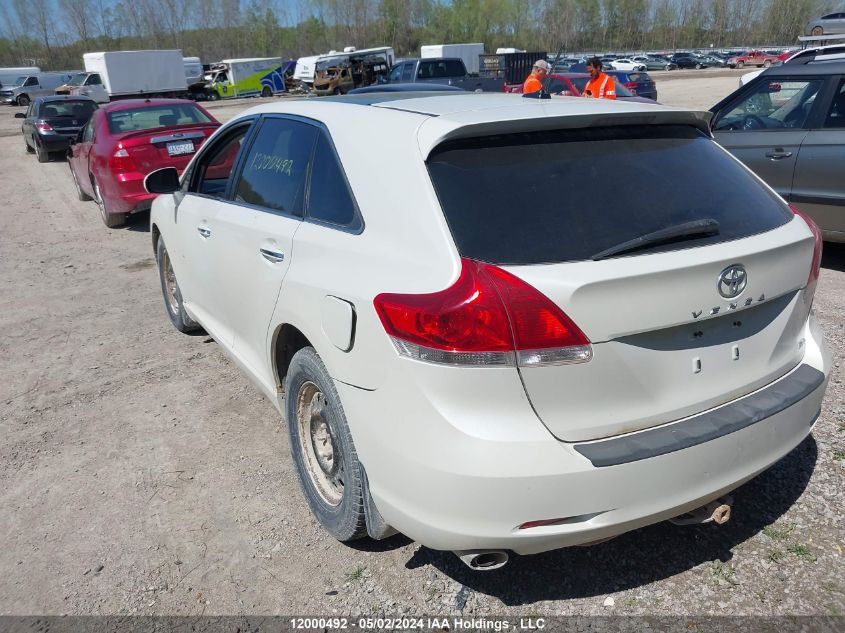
pixel 111 220
pixel 324 455
pixel 817 30
pixel 79 193
pixel 23 100
pixel 213 96
pixel 767 63
pixel 173 304
pixel 41 154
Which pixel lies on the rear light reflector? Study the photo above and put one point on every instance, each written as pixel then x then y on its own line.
pixel 121 161
pixel 488 317
pixel 43 126
pixel 533 524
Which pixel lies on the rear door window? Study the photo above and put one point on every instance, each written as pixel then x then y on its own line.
pixel 276 166
pixel 329 197
pixel 554 196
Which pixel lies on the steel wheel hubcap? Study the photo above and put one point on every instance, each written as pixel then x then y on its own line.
pixel 323 459
pixel 170 285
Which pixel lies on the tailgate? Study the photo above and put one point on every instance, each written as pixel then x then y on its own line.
pixel 666 344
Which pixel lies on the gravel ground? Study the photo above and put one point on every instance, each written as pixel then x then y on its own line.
pixel 140 472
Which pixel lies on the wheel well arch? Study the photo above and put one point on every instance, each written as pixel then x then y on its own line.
pixel 287 341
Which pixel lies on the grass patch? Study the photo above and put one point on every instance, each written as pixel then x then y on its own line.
pixel 777 534
pixel 723 571
pixel 356 574
pixel 776 555
pixel 839 455
pixel 801 551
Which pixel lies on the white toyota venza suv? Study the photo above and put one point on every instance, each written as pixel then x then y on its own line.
pixel 474 339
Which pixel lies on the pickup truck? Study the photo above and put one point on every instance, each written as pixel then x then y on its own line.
pixel 753 58
pixel 450 71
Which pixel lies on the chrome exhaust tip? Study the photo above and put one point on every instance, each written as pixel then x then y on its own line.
pixel 483 560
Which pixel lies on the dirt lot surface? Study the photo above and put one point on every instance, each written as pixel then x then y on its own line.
pixel 140 472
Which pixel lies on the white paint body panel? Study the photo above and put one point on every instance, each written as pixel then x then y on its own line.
pixel 135 72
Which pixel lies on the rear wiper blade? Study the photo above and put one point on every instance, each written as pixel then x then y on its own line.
pixel 677 233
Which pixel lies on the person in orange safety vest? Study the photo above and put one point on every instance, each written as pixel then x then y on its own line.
pixel 600 86
pixel 534 83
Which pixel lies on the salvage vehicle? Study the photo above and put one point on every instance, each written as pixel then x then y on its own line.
pixel 829 24
pixel 235 78
pixel 450 354
pixel 446 70
pixel 126 140
pixel 9 75
pixel 624 63
pixel 342 73
pixel 52 123
pixel 788 125
pixel 306 67
pixel 128 75
pixel 655 63
pixel 687 60
pixel 760 59
pixel 639 83
pixel 27 87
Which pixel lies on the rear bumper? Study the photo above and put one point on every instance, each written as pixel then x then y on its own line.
pixel 451 477
pixel 126 194
pixel 54 142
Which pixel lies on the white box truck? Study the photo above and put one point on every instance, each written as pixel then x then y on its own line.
pixel 467 52
pixel 129 74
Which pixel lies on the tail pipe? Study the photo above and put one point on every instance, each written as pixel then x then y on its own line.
pixel 483 560
pixel 718 511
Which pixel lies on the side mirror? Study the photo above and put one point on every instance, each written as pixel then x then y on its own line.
pixel 164 180
pixel 20 115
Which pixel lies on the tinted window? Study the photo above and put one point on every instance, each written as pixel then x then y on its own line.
pixel 76 109
pixel 407 72
pixel 93 80
pixel 836 114
pixel 543 197
pixel 138 119
pixel 276 166
pixel 329 198
pixel 214 168
pixel 395 74
pixel 32 81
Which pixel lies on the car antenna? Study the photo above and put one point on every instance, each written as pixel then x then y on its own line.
pixel 543 92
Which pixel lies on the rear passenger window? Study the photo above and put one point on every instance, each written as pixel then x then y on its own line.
pixel 329 198
pixel 407 72
pixel 836 114
pixel 276 166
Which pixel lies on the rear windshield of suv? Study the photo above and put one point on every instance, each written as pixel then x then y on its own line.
pixel 567 195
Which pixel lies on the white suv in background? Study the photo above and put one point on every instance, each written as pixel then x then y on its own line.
pixel 480 344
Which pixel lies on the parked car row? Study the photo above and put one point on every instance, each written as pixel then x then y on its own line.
pixel 112 148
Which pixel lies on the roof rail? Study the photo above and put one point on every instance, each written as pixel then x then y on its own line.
pixel 832 53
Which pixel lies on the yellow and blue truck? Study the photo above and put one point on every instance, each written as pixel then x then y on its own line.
pixel 254 77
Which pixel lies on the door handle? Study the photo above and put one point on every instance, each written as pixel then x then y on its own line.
pixel 272 256
pixel 204 231
pixel 778 154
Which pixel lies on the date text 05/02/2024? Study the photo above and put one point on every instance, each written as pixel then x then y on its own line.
pixel 416 624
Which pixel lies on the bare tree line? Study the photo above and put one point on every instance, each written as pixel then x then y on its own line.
pixel 54 33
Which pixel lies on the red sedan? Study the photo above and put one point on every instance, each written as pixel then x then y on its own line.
pixel 126 140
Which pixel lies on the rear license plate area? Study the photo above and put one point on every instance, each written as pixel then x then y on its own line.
pixel 178 148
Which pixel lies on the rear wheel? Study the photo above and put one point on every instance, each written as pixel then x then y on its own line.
pixel 767 63
pixel 266 92
pixel 817 30
pixel 111 220
pixel 213 96
pixel 172 295
pixel 322 448
pixel 41 152
pixel 23 100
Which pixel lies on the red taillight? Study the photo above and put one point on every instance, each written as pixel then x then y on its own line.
pixel 43 126
pixel 544 522
pixel 487 317
pixel 817 247
pixel 121 161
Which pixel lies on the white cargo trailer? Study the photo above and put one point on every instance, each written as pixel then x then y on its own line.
pixel 467 52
